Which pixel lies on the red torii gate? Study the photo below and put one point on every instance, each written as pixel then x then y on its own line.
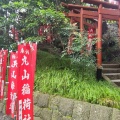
pixel 104 9
pixel 79 12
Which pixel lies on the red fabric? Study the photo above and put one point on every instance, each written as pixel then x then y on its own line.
pixel 41 31
pixel 33 59
pixel 1 68
pixel 44 30
pixel 4 65
pixel 15 34
pixel 12 85
pixel 26 61
pixel 49 39
pixel 91 33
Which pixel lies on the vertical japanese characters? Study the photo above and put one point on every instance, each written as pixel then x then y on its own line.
pixel 12 86
pixel 26 61
pixel 21 82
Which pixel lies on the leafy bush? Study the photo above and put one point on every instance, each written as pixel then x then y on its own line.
pixel 80 54
pixel 110 43
pixel 57 76
pixel 26 17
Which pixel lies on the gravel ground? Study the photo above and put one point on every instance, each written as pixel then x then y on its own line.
pixel 5 117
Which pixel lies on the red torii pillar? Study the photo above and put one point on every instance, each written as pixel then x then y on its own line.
pixel 99 42
pixel 81 21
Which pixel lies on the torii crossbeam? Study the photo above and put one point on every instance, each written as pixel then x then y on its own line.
pixel 104 11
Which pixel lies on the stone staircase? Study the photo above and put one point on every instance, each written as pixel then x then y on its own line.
pixel 111 72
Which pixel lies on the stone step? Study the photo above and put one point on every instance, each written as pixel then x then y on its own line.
pixel 116 81
pixel 112 76
pixel 111 65
pixel 111 70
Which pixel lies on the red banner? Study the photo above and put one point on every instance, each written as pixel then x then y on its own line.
pixel 4 65
pixel 1 67
pixel 25 82
pixel 90 38
pixel 33 59
pixel 12 85
pixel 15 34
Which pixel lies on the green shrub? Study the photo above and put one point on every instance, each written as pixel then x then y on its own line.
pixel 58 76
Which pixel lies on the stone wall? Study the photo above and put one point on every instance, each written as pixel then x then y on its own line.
pixel 49 107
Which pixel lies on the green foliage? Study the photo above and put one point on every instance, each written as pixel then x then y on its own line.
pixel 80 54
pixel 28 15
pixel 111 43
pixel 58 76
